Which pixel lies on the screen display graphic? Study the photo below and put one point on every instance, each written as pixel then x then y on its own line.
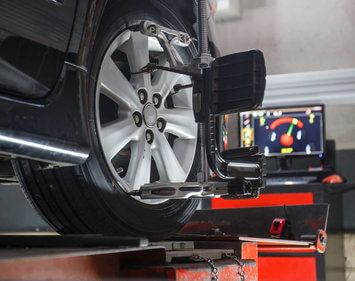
pixel 284 131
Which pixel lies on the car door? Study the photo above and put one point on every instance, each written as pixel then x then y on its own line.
pixel 34 36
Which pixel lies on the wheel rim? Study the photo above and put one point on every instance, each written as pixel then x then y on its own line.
pixel 146 134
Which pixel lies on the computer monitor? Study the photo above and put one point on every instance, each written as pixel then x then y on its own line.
pixel 289 131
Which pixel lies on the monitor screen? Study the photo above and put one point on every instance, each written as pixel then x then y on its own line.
pixel 284 131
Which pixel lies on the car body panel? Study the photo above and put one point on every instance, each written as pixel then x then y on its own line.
pixel 34 37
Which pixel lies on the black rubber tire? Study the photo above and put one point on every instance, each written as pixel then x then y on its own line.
pixel 87 199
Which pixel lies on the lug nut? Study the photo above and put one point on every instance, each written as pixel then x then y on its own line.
pixel 149 136
pixel 157 100
pixel 142 95
pixel 152 29
pixel 137 117
pixel 161 124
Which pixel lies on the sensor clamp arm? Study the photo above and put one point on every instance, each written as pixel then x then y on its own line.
pixel 224 85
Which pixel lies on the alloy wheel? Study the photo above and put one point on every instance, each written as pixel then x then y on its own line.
pixel 146 133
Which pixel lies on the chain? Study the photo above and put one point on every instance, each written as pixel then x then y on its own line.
pixel 240 271
pixel 214 269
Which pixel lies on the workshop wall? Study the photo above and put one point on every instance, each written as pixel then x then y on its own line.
pixel 296 36
pixel 299 36
pixel 340 126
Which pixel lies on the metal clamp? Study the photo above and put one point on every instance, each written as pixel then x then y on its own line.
pixel 242 176
pixel 167 39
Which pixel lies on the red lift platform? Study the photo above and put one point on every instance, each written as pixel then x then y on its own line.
pixel 211 246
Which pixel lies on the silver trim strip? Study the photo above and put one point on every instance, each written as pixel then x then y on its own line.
pixel 23 145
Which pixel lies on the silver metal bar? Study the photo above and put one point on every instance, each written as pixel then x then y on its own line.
pixel 171 190
pixel 202 27
pixel 23 145
pixel 204 58
pixel 181 190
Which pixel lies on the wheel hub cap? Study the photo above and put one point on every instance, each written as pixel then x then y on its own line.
pixel 150 115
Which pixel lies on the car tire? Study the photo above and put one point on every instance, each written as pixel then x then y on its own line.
pixel 88 199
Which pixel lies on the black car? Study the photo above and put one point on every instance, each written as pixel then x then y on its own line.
pixel 81 125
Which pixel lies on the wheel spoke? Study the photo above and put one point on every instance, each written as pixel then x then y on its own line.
pixel 164 81
pixel 180 122
pixel 117 135
pixel 137 51
pixel 114 85
pixel 168 165
pixel 138 172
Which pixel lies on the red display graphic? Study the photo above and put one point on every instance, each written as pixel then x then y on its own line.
pixel 287 139
pixel 285 120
